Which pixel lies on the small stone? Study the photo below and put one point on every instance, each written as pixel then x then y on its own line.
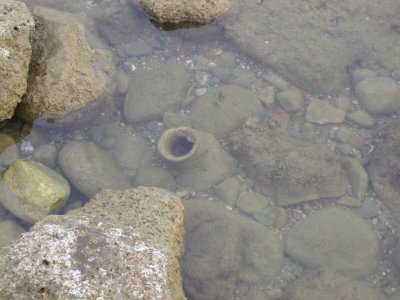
pixel 47 155
pixel 291 100
pixel 345 135
pixel 369 209
pixel 137 48
pixel 361 118
pixel 267 95
pixel 31 190
pixel 308 131
pixel 321 112
pixel 200 92
pixel 356 174
pixel 250 202
pixel 265 216
pixel 343 102
pixel 349 201
pixel 378 95
pixel 122 82
pixel 228 190
pixel 345 149
pixel 277 81
pixel 361 74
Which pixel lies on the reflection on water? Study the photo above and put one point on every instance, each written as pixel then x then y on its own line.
pixel 291 191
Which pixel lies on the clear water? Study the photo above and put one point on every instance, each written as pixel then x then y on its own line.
pixel 203 50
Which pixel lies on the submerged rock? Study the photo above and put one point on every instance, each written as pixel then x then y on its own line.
pixel 330 286
pixel 175 11
pixel 224 249
pixel 9 231
pixel 69 69
pixel 286 169
pixel 90 169
pixel 120 245
pixel 312 44
pixel 224 109
pixel 334 239
pixel 16 25
pixel 31 190
pixel 378 95
pixel 163 87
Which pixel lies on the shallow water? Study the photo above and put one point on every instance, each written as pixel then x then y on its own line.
pixel 242 230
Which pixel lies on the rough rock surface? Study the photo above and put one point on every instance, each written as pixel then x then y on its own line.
pixel 378 95
pixel 224 109
pixel 31 190
pixel 288 170
pixel 68 70
pixel 384 167
pixel 330 286
pixel 223 249
pixel 120 245
pixel 334 239
pixel 164 87
pixel 176 11
pixel 16 24
pixel 90 169
pixel 312 43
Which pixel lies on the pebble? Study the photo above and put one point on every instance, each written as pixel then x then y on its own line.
pixel 378 95
pixel 356 174
pixel 291 100
pixel 349 201
pixel 343 102
pixel 250 202
pixel 223 74
pixel 200 92
pixel 46 154
pixel 321 112
pixel 276 81
pixel 265 216
pixel 369 209
pixel 228 190
pixel 345 135
pixel 361 118
pixel 267 95
pixel 308 131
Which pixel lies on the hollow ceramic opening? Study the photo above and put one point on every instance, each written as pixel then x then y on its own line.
pixel 177 144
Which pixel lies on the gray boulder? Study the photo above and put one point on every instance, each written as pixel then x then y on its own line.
pixel 286 169
pixel 224 109
pixel 176 11
pixel 80 68
pixel 378 95
pixel 312 44
pixel 16 25
pixel 334 239
pixel 121 245
pixel 224 249
pixel 90 169
pixel 155 90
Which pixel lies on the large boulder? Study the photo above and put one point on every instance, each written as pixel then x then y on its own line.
pixel 313 43
pixel 287 169
pixel 223 249
pixel 90 169
pixel 176 11
pixel 69 69
pixel 334 239
pixel 16 25
pixel 163 86
pixel 121 245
